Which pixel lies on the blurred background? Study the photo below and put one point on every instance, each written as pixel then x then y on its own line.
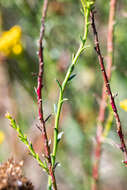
pixel 20 21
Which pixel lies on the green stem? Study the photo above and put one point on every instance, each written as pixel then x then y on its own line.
pixel 24 139
pixel 63 86
pixel 68 74
pixel 49 183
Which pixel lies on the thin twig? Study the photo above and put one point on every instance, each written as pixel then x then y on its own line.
pixel 109 92
pixel 39 97
pixel 108 89
pixel 67 76
pixel 87 7
pixel 109 56
pixel 101 115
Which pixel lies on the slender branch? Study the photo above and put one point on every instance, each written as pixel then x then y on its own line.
pixel 63 86
pixel 25 140
pixel 108 89
pixel 39 97
pixel 102 108
pixel 87 7
pixel 109 56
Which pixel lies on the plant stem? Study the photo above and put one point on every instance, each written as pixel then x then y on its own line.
pixel 63 86
pixel 102 108
pixel 65 81
pixel 39 97
pixel 108 89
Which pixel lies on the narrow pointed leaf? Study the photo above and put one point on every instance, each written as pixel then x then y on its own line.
pixel 60 136
pixel 59 84
pixel 71 77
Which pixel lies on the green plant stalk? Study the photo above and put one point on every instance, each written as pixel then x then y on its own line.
pixel 24 139
pixel 63 86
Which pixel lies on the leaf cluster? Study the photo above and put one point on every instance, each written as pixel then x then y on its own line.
pixel 25 140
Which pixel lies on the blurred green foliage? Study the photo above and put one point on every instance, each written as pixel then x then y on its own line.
pixel 63 30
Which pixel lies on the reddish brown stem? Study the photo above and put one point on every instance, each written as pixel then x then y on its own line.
pixel 39 97
pixel 106 87
pixel 101 115
pixel 109 57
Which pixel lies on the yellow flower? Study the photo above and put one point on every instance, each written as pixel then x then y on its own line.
pixel 10 41
pixel 123 104
pixel 17 49
pixel 2 137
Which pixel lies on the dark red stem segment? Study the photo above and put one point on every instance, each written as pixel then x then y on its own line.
pixel 101 115
pixel 39 97
pixel 107 85
pixel 108 90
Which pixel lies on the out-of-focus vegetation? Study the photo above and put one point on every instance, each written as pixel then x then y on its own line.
pixel 18 80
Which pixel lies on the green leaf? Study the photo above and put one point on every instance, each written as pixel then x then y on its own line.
pixel 82 11
pixel 59 84
pixel 73 56
pixel 60 136
pixel 31 146
pixel 65 99
pixel 71 77
pixel 82 40
pixel 24 139
pixel 55 109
